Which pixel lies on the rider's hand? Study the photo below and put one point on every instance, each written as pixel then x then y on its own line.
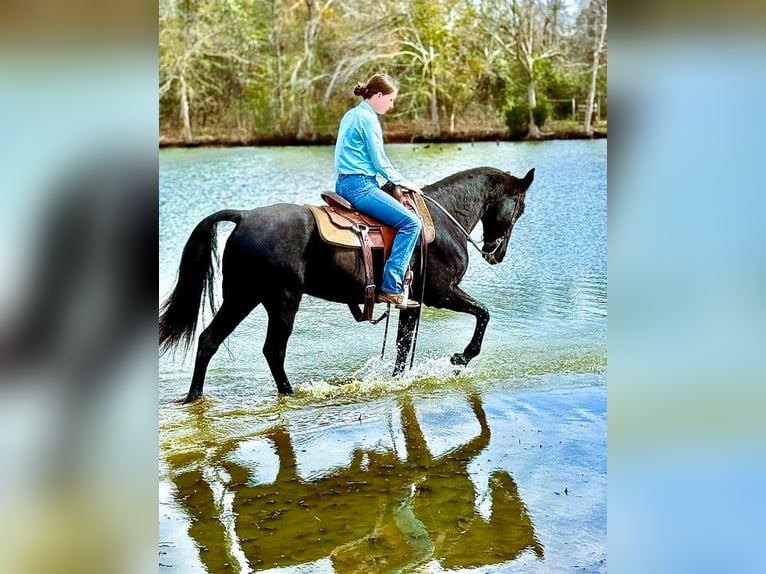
pixel 412 187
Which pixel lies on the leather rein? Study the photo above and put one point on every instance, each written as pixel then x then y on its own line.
pixel 498 242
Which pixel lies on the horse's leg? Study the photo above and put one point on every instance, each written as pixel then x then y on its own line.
pixel 231 314
pixel 406 330
pixel 460 301
pixel 281 319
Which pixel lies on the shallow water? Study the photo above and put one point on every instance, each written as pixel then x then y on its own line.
pixel 437 470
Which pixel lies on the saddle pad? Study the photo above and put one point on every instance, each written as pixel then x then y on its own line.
pixel 380 235
pixel 335 225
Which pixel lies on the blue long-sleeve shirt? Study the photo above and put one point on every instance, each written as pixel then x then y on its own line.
pixel 359 147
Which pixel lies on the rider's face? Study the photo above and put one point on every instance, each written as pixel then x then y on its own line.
pixel 381 102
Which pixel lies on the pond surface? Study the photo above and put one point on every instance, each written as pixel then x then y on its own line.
pixel 499 466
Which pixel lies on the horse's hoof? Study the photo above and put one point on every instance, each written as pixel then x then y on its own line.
pixel 459 359
pixel 191 398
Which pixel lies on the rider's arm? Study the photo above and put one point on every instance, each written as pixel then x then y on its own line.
pixel 376 153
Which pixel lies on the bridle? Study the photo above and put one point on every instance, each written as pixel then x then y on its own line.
pixel 499 241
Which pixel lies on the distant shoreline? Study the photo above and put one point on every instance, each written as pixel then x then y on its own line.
pixel 173 141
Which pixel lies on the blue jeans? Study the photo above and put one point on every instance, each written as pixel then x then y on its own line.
pixel 365 195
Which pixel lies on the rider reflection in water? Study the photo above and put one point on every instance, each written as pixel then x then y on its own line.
pixel 359 157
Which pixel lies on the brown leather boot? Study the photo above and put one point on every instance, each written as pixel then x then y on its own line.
pixel 399 301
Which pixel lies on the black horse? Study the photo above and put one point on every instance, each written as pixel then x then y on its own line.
pixel 275 255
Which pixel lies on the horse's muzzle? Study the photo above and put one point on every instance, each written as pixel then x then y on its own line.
pixel 494 252
pixel 492 258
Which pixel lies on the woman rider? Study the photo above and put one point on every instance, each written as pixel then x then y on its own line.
pixel 359 157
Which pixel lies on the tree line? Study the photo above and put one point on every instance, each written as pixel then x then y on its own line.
pixel 285 69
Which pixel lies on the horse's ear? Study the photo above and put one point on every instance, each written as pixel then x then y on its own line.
pixel 529 178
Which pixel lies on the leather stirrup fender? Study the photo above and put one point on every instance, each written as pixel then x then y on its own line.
pixel 369 290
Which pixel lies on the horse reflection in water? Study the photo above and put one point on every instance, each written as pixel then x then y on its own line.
pixel 379 514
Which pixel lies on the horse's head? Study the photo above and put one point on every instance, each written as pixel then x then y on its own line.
pixel 502 214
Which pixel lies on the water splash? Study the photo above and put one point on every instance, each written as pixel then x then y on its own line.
pixel 374 379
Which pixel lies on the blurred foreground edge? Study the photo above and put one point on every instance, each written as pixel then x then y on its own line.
pixel 78 376
pixel 93 273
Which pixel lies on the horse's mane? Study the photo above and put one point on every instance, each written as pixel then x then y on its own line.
pixel 466 180
pixel 461 191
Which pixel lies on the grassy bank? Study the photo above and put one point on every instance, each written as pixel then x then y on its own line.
pixel 394 133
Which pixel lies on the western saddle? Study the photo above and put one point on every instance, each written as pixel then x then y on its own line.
pixel 340 224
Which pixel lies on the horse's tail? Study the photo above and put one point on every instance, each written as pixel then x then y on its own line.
pixel 196 274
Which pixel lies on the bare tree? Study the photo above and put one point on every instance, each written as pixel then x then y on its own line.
pixel 197 39
pixel 468 60
pixel 274 66
pixel 429 32
pixel 528 32
pixel 424 56
pixel 277 46
pixel 372 39
pixel 598 17
pixel 180 43
pixel 304 74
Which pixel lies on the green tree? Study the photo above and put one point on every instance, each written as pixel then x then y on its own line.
pixel 423 36
pixel 205 59
pixel 286 67
pixel 529 32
